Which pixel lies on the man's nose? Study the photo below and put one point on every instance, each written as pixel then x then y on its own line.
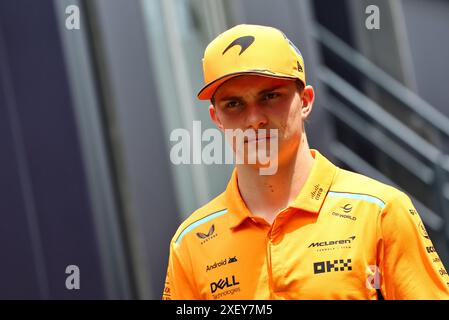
pixel 255 117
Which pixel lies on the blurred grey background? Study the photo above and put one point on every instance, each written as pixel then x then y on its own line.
pixel 86 116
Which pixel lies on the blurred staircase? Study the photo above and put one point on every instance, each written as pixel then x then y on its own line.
pixel 374 139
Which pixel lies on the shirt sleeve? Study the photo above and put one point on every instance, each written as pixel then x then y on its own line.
pixel 410 267
pixel 179 280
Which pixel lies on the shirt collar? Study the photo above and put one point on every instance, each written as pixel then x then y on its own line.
pixel 310 198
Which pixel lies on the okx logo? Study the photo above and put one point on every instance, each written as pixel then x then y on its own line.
pixel 207 236
pixel 223 283
pixel 332 266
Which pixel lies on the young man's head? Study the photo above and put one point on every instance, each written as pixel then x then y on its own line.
pixel 253 102
pixel 254 78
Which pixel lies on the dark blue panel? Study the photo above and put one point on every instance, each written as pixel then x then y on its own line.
pixel 18 276
pixel 52 156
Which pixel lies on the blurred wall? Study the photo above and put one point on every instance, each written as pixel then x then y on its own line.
pixel 45 208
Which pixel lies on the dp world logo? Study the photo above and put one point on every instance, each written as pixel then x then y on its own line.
pixel 347 208
pixel 423 230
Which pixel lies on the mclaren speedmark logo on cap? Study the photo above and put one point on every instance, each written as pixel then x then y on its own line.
pixel 244 42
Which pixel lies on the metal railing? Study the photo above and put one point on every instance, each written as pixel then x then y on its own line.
pixel 410 100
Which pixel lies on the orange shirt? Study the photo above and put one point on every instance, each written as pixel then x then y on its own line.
pixel 343 237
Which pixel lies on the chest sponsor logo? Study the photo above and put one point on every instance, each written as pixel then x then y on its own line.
pixel 221 263
pixel 317 192
pixel 442 272
pixel 332 244
pixel 430 249
pixel 207 236
pixel 166 295
pixel 436 260
pixel 224 286
pixel 345 212
pixel 332 266
pixel 423 230
pixel 223 283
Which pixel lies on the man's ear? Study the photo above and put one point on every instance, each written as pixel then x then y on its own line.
pixel 214 117
pixel 308 97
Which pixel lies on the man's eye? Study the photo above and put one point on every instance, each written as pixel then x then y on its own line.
pixel 232 104
pixel 270 95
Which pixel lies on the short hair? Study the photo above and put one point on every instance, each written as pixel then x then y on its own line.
pixel 299 85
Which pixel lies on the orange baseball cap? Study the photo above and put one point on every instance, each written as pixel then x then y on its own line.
pixel 250 49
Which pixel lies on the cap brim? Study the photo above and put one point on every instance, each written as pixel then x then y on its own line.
pixel 207 92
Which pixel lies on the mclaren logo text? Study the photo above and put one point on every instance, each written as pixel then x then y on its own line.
pixel 332 242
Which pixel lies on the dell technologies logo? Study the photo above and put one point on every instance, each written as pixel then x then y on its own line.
pixel 223 283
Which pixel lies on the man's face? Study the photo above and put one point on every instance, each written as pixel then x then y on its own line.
pixel 252 102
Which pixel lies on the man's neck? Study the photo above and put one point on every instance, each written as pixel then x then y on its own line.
pixel 266 195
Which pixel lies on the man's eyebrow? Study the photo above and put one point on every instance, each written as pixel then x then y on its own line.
pixel 227 98
pixel 231 98
pixel 271 89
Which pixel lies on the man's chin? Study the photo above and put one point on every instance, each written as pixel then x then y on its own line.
pixel 265 164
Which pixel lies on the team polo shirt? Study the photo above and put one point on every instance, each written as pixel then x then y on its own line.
pixel 345 236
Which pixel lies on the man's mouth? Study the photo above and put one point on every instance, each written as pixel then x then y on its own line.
pixel 258 139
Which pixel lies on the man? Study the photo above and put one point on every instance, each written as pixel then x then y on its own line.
pixel 310 230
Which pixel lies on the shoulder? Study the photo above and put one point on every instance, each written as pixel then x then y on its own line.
pixel 213 211
pixel 360 185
